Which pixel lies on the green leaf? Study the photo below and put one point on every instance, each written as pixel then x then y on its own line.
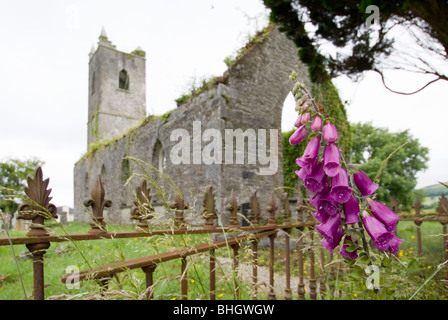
pixel 386 262
pixel 364 259
pixel 351 248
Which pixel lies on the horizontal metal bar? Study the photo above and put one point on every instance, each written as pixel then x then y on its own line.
pixel 138 234
pixel 111 269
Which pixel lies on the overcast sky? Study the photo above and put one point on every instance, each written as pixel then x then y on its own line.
pixel 44 75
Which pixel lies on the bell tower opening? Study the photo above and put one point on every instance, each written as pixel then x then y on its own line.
pixel 123 80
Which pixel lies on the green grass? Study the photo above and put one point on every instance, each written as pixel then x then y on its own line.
pixel 128 285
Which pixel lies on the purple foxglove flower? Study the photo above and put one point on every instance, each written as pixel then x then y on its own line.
pixel 305 117
pixel 298 135
pixel 301 174
pixel 314 181
pixel 316 125
pixel 351 209
pixel 331 228
pixel 352 255
pixel 326 204
pixel 330 244
pixel 314 200
pixel 384 214
pixel 394 243
pixel 298 122
pixel 320 216
pixel 310 154
pixel 364 184
pixel 332 157
pixel 340 190
pixel 330 133
pixel 376 230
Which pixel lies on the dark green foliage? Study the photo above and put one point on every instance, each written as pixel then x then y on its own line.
pixel 343 24
pixel 370 146
pixel 13 177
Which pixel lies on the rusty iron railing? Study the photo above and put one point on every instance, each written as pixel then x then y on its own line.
pixel 37 208
pixel 440 215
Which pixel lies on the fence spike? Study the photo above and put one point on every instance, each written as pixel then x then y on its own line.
pixel 442 207
pixel 286 211
pixel 37 207
pixel 142 209
pixel 418 221
pixel 208 210
pixel 232 207
pixel 98 203
pixel 254 209
pixel 272 208
pixel 178 205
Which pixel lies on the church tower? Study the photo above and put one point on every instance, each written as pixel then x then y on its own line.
pixel 117 90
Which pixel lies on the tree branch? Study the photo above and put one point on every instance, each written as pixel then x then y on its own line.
pixel 408 93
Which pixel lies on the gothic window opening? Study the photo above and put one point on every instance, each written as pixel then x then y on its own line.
pixel 158 158
pixel 125 170
pixel 123 80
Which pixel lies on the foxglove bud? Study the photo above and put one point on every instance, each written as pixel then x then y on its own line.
pixel 298 135
pixel 316 125
pixel 364 184
pixel 330 133
pixel 305 118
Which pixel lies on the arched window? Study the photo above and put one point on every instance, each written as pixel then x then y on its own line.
pixel 123 80
pixel 125 170
pixel 158 157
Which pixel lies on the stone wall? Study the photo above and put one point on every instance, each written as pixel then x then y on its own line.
pixel 251 98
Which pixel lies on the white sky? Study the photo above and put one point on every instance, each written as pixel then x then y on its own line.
pixel 44 75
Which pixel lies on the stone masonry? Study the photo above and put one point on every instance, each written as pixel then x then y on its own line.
pixel 249 96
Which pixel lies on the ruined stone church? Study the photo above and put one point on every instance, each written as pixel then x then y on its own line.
pixel 247 99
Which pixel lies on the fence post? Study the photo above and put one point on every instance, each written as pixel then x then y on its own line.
pixel 149 270
pixel 418 221
pixel 301 285
pixel 442 209
pixel 271 208
pixel 255 269
pixel 322 274
pixel 183 279
pixel 312 276
pixel 212 274
pixel 98 204
pixel 38 210
pixel 235 248
pixel 286 221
